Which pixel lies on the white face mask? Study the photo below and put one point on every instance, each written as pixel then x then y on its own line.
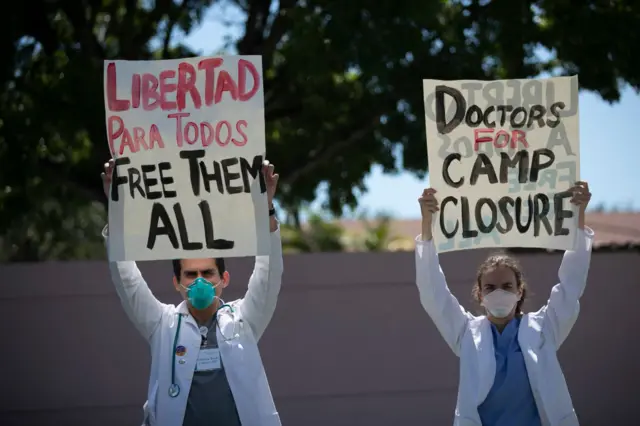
pixel 499 302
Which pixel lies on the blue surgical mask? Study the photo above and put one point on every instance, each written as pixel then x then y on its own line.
pixel 201 293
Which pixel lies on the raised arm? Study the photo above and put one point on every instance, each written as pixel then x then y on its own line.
pixel 563 307
pixel 444 309
pixel 140 305
pixel 259 303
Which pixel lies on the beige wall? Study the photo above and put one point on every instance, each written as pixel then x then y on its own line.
pixel 349 344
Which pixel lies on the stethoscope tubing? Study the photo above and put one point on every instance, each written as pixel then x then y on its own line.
pixel 174 389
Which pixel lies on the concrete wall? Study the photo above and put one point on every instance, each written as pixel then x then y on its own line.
pixel 349 344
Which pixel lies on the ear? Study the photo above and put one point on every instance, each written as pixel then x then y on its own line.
pixel 176 285
pixel 225 279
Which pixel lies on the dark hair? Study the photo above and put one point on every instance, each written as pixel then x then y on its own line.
pixel 496 260
pixel 177 267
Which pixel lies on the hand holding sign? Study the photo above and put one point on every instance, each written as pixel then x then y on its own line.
pixel 428 206
pixel 271 181
pixel 107 175
pixel 581 195
pixel 581 198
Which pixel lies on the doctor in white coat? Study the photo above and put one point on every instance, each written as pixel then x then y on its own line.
pixel 509 371
pixel 205 364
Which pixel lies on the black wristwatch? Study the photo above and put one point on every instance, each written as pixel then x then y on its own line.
pixel 272 211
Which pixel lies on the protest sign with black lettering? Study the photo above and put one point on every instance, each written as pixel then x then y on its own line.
pixel 502 155
pixel 188 140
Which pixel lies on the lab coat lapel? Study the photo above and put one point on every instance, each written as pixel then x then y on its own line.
pixel 531 339
pixel 171 410
pixel 226 324
pixel 483 342
pixel 239 366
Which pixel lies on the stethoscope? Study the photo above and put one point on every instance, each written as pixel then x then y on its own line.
pixel 174 389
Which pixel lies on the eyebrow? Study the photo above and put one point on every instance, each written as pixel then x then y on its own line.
pixel 191 271
pixel 503 284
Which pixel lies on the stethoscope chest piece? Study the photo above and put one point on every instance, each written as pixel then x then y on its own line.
pixel 174 390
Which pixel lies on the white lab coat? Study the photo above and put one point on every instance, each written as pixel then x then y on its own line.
pixel 157 323
pixel 540 335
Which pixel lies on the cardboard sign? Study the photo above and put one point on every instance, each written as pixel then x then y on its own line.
pixel 188 140
pixel 502 155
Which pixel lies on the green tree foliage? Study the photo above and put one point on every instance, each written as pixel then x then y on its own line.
pixel 342 88
pixel 318 234
pixel 378 234
pixel 323 233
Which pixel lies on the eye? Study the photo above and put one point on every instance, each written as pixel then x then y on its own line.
pixel 190 274
pixel 208 273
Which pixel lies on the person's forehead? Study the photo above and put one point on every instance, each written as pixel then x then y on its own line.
pixel 198 264
pixel 498 275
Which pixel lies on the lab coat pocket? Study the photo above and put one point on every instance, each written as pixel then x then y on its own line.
pixel 150 407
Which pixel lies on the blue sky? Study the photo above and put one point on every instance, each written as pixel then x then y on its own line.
pixel 609 145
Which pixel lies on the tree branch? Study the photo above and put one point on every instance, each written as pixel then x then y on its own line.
pixel 254 28
pixel 278 104
pixel 83 29
pixel 172 19
pixel 128 48
pixel 280 26
pixel 147 28
pixel 57 176
pixel 272 114
pixel 328 154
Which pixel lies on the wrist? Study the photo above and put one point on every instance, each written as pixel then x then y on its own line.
pixel 426 233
